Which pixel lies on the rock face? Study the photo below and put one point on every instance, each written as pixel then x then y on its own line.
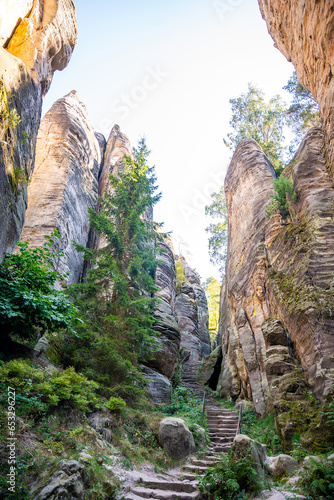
pixel 304 33
pixel 176 438
pixel 164 360
pixel 192 315
pixel 43 36
pixel 65 182
pixel 158 386
pixel 71 480
pixel 279 279
pixel 36 39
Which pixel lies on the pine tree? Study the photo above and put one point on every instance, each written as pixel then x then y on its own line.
pixel 117 299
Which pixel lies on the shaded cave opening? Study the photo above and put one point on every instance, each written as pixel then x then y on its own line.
pixel 213 380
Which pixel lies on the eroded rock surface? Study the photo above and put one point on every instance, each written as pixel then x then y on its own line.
pixel 192 315
pixel 279 280
pixel 43 35
pixel 165 359
pixel 304 33
pixel 64 183
pixel 158 386
pixel 36 39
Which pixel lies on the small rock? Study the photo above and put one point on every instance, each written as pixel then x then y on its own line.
pixel 308 460
pixel 282 465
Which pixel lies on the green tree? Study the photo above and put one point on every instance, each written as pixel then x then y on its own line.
pixel 212 288
pixel 284 195
pixel 254 117
pixel 218 231
pixel 117 299
pixel 303 112
pixel 28 299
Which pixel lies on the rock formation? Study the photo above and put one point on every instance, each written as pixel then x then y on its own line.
pixel 279 277
pixel 304 33
pixel 192 315
pixel 43 35
pixel 36 38
pixel 165 359
pixel 65 182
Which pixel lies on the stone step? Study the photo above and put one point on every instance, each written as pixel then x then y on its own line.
pixel 221 440
pixel 168 485
pixel 140 492
pixel 195 468
pixel 205 462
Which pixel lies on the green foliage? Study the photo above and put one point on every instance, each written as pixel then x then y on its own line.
pixel 19 178
pixel 117 299
pixel 180 278
pixel 284 195
pixel 230 479
pixel 212 289
pixel 116 404
pixel 253 117
pixel 9 118
pixel 37 390
pixel 263 431
pixel 185 405
pixel 218 231
pixel 329 413
pixel 317 481
pixel 28 298
pixel 303 112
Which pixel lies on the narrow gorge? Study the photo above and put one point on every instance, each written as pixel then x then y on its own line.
pixel 122 390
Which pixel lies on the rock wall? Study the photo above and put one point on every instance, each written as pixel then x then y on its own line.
pixel 304 33
pixel 192 314
pixel 65 182
pixel 278 270
pixel 36 38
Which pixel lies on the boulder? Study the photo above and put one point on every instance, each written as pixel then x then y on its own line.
pixel 71 480
pixel 243 444
pixel 282 465
pixel 176 438
pixel 158 386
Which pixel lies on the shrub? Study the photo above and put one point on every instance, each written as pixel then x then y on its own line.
pixel 230 479
pixel 317 481
pixel 28 299
pixel 116 404
pixel 284 195
pixel 37 390
pixel 185 405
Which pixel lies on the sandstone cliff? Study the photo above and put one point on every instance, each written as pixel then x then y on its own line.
pixel 65 182
pixel 192 313
pixel 37 38
pixel 304 33
pixel 278 301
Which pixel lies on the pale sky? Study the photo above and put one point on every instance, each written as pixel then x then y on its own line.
pixel 166 69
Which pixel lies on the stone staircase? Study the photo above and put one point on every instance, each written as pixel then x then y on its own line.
pixel 183 485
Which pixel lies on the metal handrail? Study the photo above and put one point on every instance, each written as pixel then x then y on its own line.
pixel 203 408
pixel 239 420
